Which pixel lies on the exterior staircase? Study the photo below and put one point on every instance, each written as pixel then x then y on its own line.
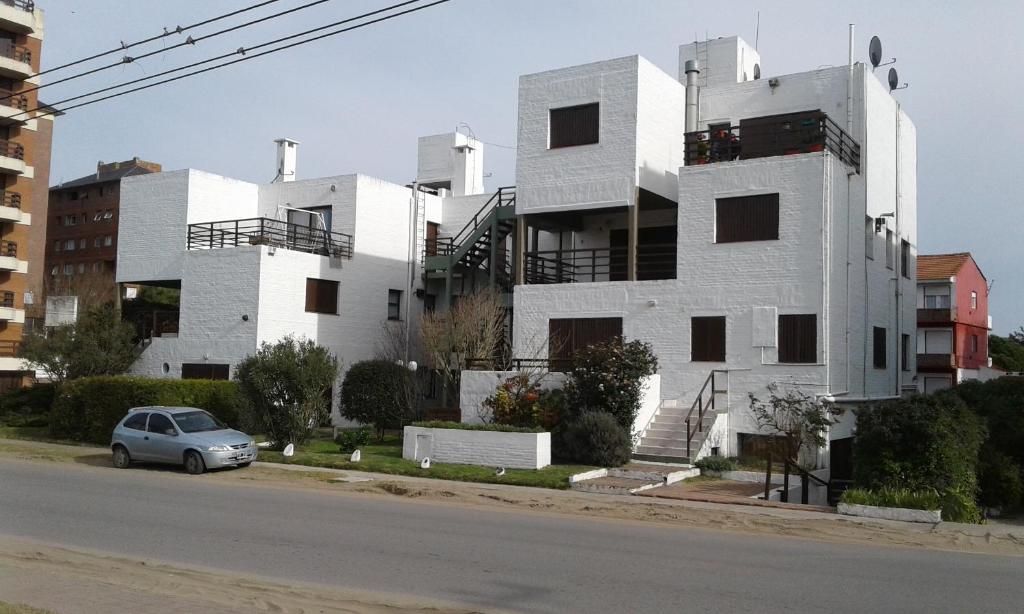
pixel 676 433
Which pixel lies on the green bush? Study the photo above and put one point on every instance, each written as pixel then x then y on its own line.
pixel 607 377
pixel 378 392
pixel 999 478
pixel 87 409
pixel 716 463
pixel 999 403
pixel 894 497
pixel 27 406
pixel 350 440
pixel 520 401
pixel 921 443
pixel 500 428
pixel 595 438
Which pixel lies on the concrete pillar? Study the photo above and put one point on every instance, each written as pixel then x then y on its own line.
pixel 519 261
pixel 633 215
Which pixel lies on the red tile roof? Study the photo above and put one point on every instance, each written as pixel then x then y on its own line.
pixel 932 267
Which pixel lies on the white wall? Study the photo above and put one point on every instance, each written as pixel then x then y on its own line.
pixel 723 60
pixel 487 448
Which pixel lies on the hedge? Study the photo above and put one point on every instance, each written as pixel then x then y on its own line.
pixel 501 428
pixel 87 409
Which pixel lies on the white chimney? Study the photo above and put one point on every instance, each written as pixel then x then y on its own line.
pixel 692 95
pixel 287 152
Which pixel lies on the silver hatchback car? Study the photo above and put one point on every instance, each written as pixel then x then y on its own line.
pixel 181 436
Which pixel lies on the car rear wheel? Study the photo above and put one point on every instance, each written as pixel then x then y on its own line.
pixel 121 457
pixel 194 462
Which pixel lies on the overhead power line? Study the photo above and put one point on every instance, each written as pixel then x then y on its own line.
pixel 53 107
pixel 166 33
pixel 189 42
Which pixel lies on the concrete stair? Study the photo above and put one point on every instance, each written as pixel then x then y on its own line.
pixel 664 440
pixel 632 478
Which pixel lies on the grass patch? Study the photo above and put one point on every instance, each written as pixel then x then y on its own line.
pixel 19 608
pixel 386 457
pixel 894 497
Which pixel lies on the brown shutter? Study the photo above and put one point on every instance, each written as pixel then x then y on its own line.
pixel 707 339
pixel 879 349
pixel 566 336
pixel 311 290
pixel 798 338
pixel 577 125
pixel 747 218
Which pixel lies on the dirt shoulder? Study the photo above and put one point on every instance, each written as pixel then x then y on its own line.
pixel 982 539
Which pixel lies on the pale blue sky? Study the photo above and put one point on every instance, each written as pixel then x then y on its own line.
pixel 358 102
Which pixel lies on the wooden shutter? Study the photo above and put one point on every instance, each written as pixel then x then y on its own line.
pixel 566 336
pixel 878 348
pixel 707 336
pixel 747 218
pixel 798 338
pixel 570 126
pixel 321 296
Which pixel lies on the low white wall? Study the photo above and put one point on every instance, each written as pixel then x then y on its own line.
pixel 890 513
pixel 487 448
pixel 650 401
pixel 476 386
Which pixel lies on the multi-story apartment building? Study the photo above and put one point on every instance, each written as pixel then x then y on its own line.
pixel 952 321
pixel 25 136
pixel 81 237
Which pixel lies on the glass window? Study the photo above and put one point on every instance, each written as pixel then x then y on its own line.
pixel 137 421
pixel 869 238
pixel 83 243
pixel 56 246
pixel 974 300
pixel 108 241
pixel 197 421
pixel 321 296
pixel 69 245
pixel 69 269
pixel 394 304
pixel 159 423
pixel 879 348
pixel 889 248
pixel 81 267
pixel 96 242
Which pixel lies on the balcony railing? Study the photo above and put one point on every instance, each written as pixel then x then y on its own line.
pixel 268 231
pixel 9 249
pixel 10 349
pixel 935 361
pixel 555 365
pixel 10 199
pixel 566 266
pixel 7 300
pixel 777 135
pixel 10 99
pixel 25 5
pixel 18 53
pixel 11 149
pixel 935 316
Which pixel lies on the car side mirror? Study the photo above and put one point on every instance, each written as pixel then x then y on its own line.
pixel 171 432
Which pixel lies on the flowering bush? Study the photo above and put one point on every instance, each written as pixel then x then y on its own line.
pixel 519 401
pixel 607 377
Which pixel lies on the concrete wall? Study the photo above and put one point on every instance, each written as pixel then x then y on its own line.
pixel 487 448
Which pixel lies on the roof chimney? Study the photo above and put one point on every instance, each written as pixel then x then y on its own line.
pixel 692 95
pixel 287 151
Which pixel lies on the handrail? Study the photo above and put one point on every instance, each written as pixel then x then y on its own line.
pixel 654 261
pixel 18 53
pixel 701 408
pixel 504 196
pixel 11 99
pixel 7 299
pixel 9 249
pixel 271 232
pixel 12 149
pixel 10 199
pixel 805 480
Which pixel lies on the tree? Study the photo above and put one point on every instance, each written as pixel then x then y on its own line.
pixel 99 343
pixel 609 377
pixel 473 328
pixel 1007 352
pixel 799 418
pixel 1017 336
pixel 288 386
pixel 378 392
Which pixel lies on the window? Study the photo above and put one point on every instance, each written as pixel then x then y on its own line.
pixel 974 300
pixel 707 339
pixel 798 338
pixel 878 348
pixel 108 241
pixel 81 267
pixel 83 243
pixel 202 370
pixel 70 220
pixel 905 352
pixel 571 126
pixel 321 296
pixel 97 267
pixel 566 336
pixel 905 258
pixel 747 218
pixel 56 246
pixel 69 245
pixel 98 216
pixel 108 214
pixel 869 238
pixel 69 269
pixel 394 304
pixel 159 423
pixel 97 241
pixel 889 249
pixel 54 270
pixel 429 303
pixel 974 344
pixel 136 422
pixel 936 297
pixel 73 195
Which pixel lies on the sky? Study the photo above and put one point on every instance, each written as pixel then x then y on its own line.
pixel 357 102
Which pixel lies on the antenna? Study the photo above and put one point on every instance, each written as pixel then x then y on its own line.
pixel 757 34
pixel 894 81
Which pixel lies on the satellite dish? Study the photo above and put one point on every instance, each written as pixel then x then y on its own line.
pixel 356 456
pixel 425 463
pixel 875 52
pixel 757 72
pixel 289 450
pixel 894 79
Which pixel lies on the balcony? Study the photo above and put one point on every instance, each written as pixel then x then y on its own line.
pixel 18 16
pixel 9 256
pixel 935 316
pixel 13 108
pixel 270 232
pixel 566 266
pixel 15 60
pixel 8 313
pixel 12 157
pixel 10 207
pixel 775 135
pixel 941 362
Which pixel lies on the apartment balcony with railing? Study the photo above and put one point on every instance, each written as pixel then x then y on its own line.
pixel 10 206
pixel 936 362
pixel 15 60
pixel 9 256
pixel 936 316
pixel 270 232
pixel 18 16
pixel 774 135
pixel 12 157
pixel 8 311
pixel 13 108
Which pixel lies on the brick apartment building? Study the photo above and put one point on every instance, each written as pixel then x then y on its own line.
pixel 81 238
pixel 26 127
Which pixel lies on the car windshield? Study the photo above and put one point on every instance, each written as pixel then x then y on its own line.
pixel 196 421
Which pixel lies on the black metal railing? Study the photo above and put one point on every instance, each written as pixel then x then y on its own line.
pixel 562 266
pixel 7 300
pixel 12 149
pixel 156 323
pixel 18 53
pixel 25 5
pixel 765 137
pixel 10 199
pixel 704 403
pixel 789 466
pixel 553 365
pixel 9 249
pixel 268 231
pixel 445 246
pixel 10 99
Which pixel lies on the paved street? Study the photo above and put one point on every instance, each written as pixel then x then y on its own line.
pixel 488 559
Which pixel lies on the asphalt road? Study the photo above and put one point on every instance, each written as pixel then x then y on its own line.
pixel 509 560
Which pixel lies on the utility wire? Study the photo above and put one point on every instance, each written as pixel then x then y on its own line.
pixel 242 51
pixel 177 30
pixel 189 41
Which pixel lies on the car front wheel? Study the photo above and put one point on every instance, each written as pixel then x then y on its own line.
pixel 194 462
pixel 121 457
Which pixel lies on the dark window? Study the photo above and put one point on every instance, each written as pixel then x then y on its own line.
pixel 869 238
pixel 879 349
pixel 905 352
pixel 655 253
pixel 707 339
pixel 905 258
pixel 974 344
pixel 321 296
pixel 136 422
pixel 798 338
pixel 159 423
pixel 889 249
pixel 566 336
pixel 574 125
pixel 394 304
pixel 747 218
pixel 200 370
pixel 429 303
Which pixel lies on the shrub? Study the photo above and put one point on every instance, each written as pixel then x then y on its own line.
pixel 999 479
pixel 894 497
pixel 288 386
pixel 998 402
pixel 377 392
pixel 99 343
pixel 350 440
pixel 716 463
pixel 27 406
pixel 607 377
pixel 801 420
pixel 500 428
pixel 519 401
pixel 595 438
pixel 87 409
pixel 921 443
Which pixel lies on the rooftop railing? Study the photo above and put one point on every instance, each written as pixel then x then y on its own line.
pixel 18 53
pixel 565 266
pixel 25 5
pixel 777 135
pixel 271 232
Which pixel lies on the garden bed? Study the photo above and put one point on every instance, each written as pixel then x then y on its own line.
pixel 517 448
pixel 890 513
